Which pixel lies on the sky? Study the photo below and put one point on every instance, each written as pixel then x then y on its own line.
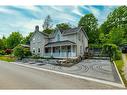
pixel 24 18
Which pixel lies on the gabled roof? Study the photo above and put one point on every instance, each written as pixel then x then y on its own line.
pixel 69 31
pixel 45 34
pixel 63 32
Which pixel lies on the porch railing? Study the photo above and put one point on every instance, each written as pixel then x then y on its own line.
pixel 62 54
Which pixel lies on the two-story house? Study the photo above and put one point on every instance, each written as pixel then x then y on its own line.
pixel 60 44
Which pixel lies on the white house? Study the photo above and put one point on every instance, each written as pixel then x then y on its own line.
pixel 60 44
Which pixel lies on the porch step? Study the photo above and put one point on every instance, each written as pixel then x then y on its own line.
pixel 101 58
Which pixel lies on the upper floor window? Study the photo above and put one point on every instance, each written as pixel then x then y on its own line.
pixel 58 37
pixel 38 39
pixel 79 37
pixel 82 38
pixel 33 39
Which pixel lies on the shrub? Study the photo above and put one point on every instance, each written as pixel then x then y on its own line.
pixel 112 51
pixel 8 51
pixel 95 46
pixel 117 55
pixel 2 52
pixel 26 52
pixel 18 52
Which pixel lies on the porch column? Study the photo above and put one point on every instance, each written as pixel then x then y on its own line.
pixel 51 51
pixel 71 50
pixel 60 51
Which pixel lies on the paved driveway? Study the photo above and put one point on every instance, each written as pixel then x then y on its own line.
pixel 13 76
pixel 98 69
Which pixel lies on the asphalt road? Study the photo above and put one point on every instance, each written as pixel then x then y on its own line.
pixel 13 76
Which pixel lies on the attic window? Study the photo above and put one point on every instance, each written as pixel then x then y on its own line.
pixel 33 39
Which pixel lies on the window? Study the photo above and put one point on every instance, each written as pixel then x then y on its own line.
pixel 79 37
pixel 53 49
pixel 38 49
pixel 58 37
pixel 46 50
pixel 33 50
pixel 69 48
pixel 81 49
pixel 82 38
pixel 33 40
pixel 38 39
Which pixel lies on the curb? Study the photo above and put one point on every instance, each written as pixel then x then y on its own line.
pixel 75 76
pixel 119 74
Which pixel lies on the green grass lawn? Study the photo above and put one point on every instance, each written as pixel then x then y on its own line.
pixel 8 58
pixel 120 64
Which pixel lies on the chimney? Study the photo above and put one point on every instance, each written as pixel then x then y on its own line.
pixel 36 28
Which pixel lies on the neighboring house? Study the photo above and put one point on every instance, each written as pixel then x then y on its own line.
pixel 60 44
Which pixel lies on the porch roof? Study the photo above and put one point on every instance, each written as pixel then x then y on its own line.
pixel 60 43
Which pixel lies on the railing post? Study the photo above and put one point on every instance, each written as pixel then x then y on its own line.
pixel 51 51
pixel 71 51
pixel 60 51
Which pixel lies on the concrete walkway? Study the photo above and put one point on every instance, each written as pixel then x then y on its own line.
pixel 125 65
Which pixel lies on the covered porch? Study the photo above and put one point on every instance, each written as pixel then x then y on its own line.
pixel 61 49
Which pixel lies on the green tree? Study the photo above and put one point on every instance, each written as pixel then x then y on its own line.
pixel 14 39
pixel 117 18
pixel 48 31
pixel 103 38
pixel 112 51
pixel 114 29
pixel 26 40
pixel 90 25
pixel 4 39
pixel 18 52
pixel 116 36
pixel 63 26
pixel 1 44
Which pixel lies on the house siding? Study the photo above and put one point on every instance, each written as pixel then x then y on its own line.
pixel 81 44
pixel 38 42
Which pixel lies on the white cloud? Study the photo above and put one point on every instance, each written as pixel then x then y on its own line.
pixel 31 24
pixel 57 8
pixel 7 11
pixel 85 8
pixel 77 11
pixel 25 20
